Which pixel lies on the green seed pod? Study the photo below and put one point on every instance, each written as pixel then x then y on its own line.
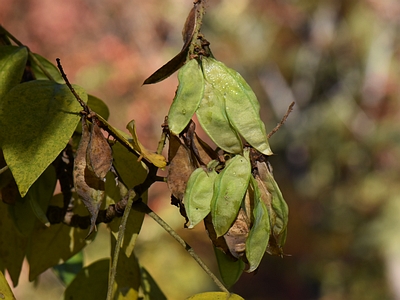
pixel 199 193
pixel 241 104
pixel 188 96
pixel 213 119
pixel 278 204
pixel 258 238
pixel 229 190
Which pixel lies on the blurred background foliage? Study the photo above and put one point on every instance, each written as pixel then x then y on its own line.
pixel 337 157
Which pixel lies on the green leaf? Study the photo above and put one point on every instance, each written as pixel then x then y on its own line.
pixel 90 283
pixel 229 190
pixel 215 296
pixel 50 246
pixel 50 67
pixel 229 269
pixel 212 116
pixel 188 96
pixel 149 287
pixel 12 65
pixel 241 104
pixel 12 244
pixel 37 120
pixel 68 270
pixel 5 290
pixel 98 106
pixel 131 171
pixel 258 238
pixel 199 194
pixel 28 210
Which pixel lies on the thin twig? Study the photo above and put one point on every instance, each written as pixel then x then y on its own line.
pixel 142 207
pixel 289 110
pixel 64 76
pixel 3 169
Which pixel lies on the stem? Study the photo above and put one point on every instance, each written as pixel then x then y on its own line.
pixel 39 64
pixel 31 56
pixel 199 21
pixel 289 110
pixel 3 169
pixel 113 271
pixel 142 207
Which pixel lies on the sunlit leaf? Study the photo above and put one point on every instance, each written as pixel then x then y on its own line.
pixel 229 269
pixel 229 190
pixel 12 65
pixel 90 283
pixel 5 290
pixel 215 296
pixel 37 120
pixel 188 96
pixel 156 159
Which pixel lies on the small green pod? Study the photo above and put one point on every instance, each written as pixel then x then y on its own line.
pixel 229 189
pixel 257 241
pixel 188 96
pixel 278 203
pixel 241 104
pixel 213 119
pixel 198 195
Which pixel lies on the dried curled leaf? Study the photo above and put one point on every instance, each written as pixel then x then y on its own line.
pixel 188 96
pixel 88 186
pixel 180 167
pixel 237 235
pixel 156 159
pixel 99 153
pixel 175 63
pixel 229 190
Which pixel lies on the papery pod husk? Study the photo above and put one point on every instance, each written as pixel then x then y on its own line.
pixel 180 167
pixel 278 204
pixel 212 115
pixel 188 96
pixel 258 239
pixel 237 235
pixel 99 153
pixel 199 193
pixel 87 185
pixel 241 104
pixel 229 190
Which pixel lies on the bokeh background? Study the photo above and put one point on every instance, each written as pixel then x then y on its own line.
pixel 337 157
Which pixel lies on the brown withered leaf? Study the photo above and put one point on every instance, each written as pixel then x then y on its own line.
pixel 99 153
pixel 179 60
pixel 180 167
pixel 219 242
pixel 236 236
pixel 87 185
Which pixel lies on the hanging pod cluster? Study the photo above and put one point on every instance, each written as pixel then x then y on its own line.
pixel 248 213
pixel 225 105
